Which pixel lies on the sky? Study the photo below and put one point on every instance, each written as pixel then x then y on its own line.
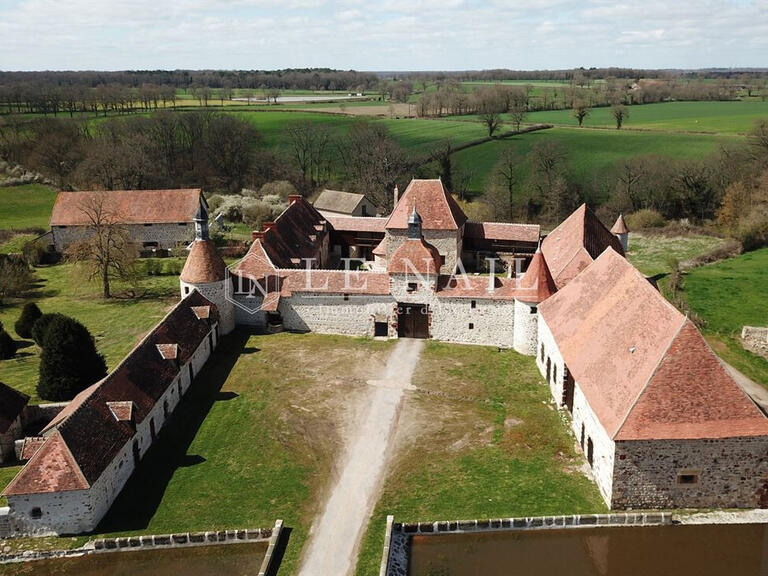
pixel 381 36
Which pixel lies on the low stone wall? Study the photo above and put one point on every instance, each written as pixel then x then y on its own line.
pixel 396 552
pixel 36 416
pixel 755 339
pixel 184 539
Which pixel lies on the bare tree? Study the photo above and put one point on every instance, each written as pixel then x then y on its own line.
pixel 548 161
pixel 619 113
pixel 492 121
pixel 309 142
pixel 518 112
pixel 580 112
pixel 105 248
pixel 758 137
pixel 505 181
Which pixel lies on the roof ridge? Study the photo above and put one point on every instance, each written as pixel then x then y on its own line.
pixel 650 378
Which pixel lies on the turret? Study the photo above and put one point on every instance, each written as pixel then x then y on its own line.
pixel 534 287
pixel 621 232
pixel 206 272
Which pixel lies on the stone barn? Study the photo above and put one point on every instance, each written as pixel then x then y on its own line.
pixel 153 219
pixel 660 420
pixel 337 203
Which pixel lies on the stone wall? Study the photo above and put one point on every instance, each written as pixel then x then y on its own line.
pixel 490 322
pixel 333 314
pixel 755 339
pixel 166 235
pixel 732 473
pixel 80 511
pixel 526 328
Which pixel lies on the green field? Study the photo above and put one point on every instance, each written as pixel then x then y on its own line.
pixel 590 152
pixel 729 295
pixel 489 444
pixel 27 206
pixel 651 252
pixel 62 289
pixel 721 117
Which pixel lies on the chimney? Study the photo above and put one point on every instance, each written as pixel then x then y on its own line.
pixel 267 226
pixel 397 196
pixel 256 235
pixel 293 198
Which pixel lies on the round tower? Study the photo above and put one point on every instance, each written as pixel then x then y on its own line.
pixel 533 288
pixel 206 272
pixel 621 232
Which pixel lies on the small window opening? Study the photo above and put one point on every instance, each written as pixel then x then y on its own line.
pixel 473 304
pixel 533 310
pixel 690 478
pixel 36 513
pixel 590 452
pixel 554 374
pixel 471 326
pixel 380 329
pixel 346 297
pixel 583 433
pixel 186 289
pixel 412 287
pixel 542 351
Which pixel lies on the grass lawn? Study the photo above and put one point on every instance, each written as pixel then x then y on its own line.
pixel 728 295
pixel 253 441
pixel 6 475
pixel 486 443
pixel 589 152
pixel 27 206
pixel 722 117
pixel 117 324
pixel 651 252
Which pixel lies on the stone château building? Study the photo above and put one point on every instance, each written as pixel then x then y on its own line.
pixel 660 421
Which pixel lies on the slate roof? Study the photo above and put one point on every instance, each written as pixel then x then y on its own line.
pixel 12 402
pixel 502 231
pixel 296 234
pixel 645 370
pixel 87 435
pixel 575 243
pixel 204 264
pixel 436 206
pixel 132 206
pixel 338 201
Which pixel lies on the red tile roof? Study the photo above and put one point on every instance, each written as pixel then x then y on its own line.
pixel 297 234
pixel 436 206
pixel 414 256
pixel 30 447
pixel 502 231
pixel 620 226
pixel 577 241
pixel 621 339
pixel 256 263
pixel 537 284
pixel 122 411
pixel 85 437
pixel 55 470
pixel 476 287
pixel 204 264
pixel 12 403
pixel 169 351
pixel 357 224
pixel 335 282
pixel 131 206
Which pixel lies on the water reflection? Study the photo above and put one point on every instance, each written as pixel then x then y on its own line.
pixel 610 551
pixel 229 559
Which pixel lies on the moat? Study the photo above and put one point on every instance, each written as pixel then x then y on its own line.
pixel 678 550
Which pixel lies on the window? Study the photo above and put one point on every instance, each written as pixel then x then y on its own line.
pixel 136 453
pixel 442 259
pixel 473 304
pixel 61 227
pixel 590 451
pixel 147 224
pixel 412 287
pixel 36 513
pixel 542 351
pixel 688 477
pixel 165 408
pixel 182 223
pixel 380 329
pixel 152 431
pixel 583 430
pixel 533 310
pixel 554 374
pixel 346 297
pixel 471 326
pixel 364 210
pixel 186 289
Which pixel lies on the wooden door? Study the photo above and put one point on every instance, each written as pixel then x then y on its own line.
pixel 413 321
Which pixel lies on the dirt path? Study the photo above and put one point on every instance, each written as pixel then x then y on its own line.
pixel 758 393
pixel 335 538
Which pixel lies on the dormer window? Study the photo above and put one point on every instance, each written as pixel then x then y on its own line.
pixel 412 287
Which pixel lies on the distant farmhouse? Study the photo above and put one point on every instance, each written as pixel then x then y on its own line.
pixel 660 421
pixel 161 219
pixel 337 203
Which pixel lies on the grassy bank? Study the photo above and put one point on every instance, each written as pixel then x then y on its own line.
pixel 480 439
pixel 27 206
pixel 116 324
pixel 652 252
pixel 728 295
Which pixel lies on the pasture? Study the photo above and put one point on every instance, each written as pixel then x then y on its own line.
pixel 27 206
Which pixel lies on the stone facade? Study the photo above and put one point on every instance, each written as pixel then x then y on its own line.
pixel 80 511
pixel 164 236
pixel 335 314
pixel 526 327
pixel 447 242
pixel 755 339
pixel 728 473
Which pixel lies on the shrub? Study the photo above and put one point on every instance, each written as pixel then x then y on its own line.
pixel 153 267
pixel 34 253
pixel 69 362
pixel 15 276
pixel 8 346
pixel 258 211
pixel 172 268
pixel 214 202
pixel 645 218
pixel 29 315
pixel 40 328
pixel 280 188
pixel 752 231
